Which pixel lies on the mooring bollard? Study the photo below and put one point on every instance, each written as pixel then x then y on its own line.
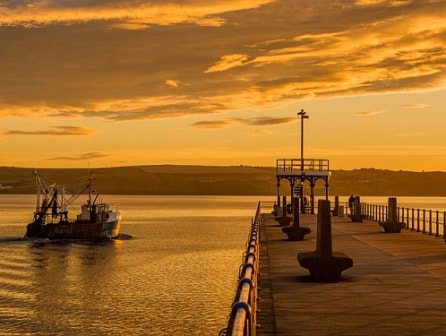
pixel 357 216
pixel 392 225
pixel 323 264
pixel 341 211
pixel 275 211
pixel 295 232
pixel 336 206
pixel 283 219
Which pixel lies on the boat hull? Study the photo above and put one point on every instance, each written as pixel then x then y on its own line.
pixel 75 230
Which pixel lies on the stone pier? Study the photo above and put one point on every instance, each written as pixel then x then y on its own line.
pixel 397 286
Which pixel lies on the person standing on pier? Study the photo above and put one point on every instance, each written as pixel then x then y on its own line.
pixel 351 201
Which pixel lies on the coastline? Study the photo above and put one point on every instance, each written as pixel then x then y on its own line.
pixel 229 180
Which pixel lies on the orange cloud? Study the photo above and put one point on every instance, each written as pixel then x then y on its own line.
pixel 172 83
pixel 84 156
pixel 250 63
pixel 416 106
pixel 212 124
pixel 260 121
pixel 133 15
pixel 401 53
pixel 54 131
pixel 264 121
pixel 228 62
pixel 369 113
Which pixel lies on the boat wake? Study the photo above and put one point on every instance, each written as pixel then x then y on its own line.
pixel 12 239
pixel 123 236
pixel 5 240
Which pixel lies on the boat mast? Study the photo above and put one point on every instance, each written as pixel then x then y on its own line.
pixel 38 191
pixel 89 191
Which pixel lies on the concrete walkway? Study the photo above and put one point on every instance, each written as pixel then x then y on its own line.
pixel 397 285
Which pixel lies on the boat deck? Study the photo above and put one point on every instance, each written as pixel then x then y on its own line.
pixel 397 285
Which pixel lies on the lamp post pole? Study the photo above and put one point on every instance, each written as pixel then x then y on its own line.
pixel 302 115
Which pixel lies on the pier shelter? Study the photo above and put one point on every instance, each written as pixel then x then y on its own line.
pixel 297 171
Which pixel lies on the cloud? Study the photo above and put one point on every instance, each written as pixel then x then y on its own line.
pixel 260 121
pixel 249 62
pixel 85 156
pixel 267 43
pixel 268 121
pixel 390 3
pixel 146 108
pixel 369 113
pixel 172 83
pixel 54 131
pixel 132 15
pixel 227 62
pixel 212 124
pixel 416 106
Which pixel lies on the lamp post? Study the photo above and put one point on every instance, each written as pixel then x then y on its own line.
pixel 302 115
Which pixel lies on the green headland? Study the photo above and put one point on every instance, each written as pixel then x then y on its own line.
pixel 224 180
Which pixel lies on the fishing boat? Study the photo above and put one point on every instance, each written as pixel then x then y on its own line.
pixel 96 220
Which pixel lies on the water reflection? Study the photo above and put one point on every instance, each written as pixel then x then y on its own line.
pixel 69 280
pixel 175 277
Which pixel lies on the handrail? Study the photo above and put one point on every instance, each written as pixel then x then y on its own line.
pixel 321 165
pixel 428 221
pixel 242 318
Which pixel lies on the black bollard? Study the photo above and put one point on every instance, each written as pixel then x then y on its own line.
pixel 283 219
pixel 295 232
pixel 323 264
pixel 392 225
pixel 275 210
pixel 336 206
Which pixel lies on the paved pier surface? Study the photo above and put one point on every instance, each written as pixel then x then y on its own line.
pixel 397 285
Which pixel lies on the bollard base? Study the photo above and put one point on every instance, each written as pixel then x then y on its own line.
pixel 357 218
pixel 392 227
pixel 296 234
pixel 283 220
pixel 325 268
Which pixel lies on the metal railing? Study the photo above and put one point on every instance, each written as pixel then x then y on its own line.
pixel 242 318
pixel 320 165
pixel 428 221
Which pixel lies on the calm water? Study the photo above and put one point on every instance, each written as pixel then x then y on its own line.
pixel 175 276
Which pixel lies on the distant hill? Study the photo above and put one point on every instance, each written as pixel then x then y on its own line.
pixel 231 180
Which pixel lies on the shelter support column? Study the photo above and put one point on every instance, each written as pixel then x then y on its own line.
pixel 292 193
pixel 312 183
pixel 326 189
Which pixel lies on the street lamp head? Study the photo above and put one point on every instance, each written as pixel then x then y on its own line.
pixel 302 114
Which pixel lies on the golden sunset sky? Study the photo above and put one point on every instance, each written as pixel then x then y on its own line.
pixel 219 82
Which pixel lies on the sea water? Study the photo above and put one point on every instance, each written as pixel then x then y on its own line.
pixel 172 272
